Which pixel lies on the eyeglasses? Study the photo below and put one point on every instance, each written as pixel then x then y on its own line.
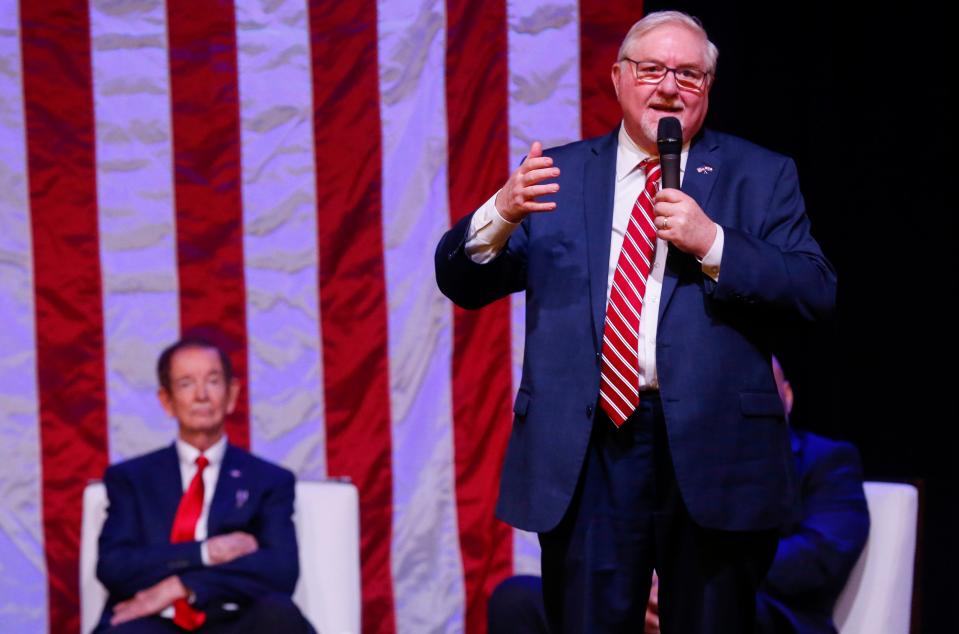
pixel 687 78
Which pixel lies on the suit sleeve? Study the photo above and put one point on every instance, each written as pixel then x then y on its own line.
pixel 472 285
pixel 273 568
pixel 125 565
pixel 781 265
pixel 835 524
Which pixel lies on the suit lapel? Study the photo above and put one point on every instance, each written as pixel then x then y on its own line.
pixel 169 487
pixel 599 180
pixel 702 170
pixel 224 495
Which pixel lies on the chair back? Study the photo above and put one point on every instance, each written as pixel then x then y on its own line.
pixel 878 594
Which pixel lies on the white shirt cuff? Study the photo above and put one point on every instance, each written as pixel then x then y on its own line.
pixel 714 256
pixel 204 553
pixel 488 232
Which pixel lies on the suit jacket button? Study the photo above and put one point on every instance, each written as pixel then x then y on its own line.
pixel 589 411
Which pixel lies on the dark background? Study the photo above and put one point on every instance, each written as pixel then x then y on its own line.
pixel 858 98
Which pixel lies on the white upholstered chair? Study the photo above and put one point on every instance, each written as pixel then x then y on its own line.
pixel 327 523
pixel 877 597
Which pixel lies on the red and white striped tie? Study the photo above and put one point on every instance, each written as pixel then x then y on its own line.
pixel 619 385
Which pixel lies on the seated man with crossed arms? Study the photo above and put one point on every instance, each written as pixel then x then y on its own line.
pixel 199 535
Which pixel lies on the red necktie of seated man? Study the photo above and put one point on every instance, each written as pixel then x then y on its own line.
pixel 619 373
pixel 184 530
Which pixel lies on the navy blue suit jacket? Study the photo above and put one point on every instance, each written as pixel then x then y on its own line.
pixel 251 495
pixel 821 541
pixel 725 421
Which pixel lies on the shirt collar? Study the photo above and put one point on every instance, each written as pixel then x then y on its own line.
pixel 629 155
pixel 187 453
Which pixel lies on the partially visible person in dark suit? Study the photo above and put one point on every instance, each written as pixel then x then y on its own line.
pixel 823 538
pixel 199 535
pixel 819 545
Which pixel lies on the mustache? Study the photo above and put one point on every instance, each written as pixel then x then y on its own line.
pixel 667 105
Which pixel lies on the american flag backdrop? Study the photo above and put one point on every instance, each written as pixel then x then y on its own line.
pixel 279 170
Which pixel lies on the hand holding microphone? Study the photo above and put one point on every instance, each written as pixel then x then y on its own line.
pixel 679 219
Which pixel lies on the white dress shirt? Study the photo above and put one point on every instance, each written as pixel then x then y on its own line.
pixel 188 454
pixel 489 232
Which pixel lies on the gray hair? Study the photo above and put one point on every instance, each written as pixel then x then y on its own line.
pixel 658 19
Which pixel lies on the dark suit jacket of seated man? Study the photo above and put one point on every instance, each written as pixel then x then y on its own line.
pixel 241 566
pixel 820 543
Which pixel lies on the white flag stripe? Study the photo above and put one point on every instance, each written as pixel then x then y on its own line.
pixel 544 89
pixel 544 105
pixel 137 224
pixel 428 588
pixel 23 586
pixel 280 235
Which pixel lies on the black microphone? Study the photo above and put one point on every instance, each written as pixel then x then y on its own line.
pixel 670 141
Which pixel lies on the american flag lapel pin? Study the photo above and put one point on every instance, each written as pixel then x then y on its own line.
pixel 242 495
pixel 705 169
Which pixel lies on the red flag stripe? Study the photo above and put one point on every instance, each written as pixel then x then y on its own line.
pixel 209 213
pixel 353 307
pixel 603 24
pixel 476 102
pixel 58 96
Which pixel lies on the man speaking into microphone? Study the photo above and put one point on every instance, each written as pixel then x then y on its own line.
pixel 648 432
